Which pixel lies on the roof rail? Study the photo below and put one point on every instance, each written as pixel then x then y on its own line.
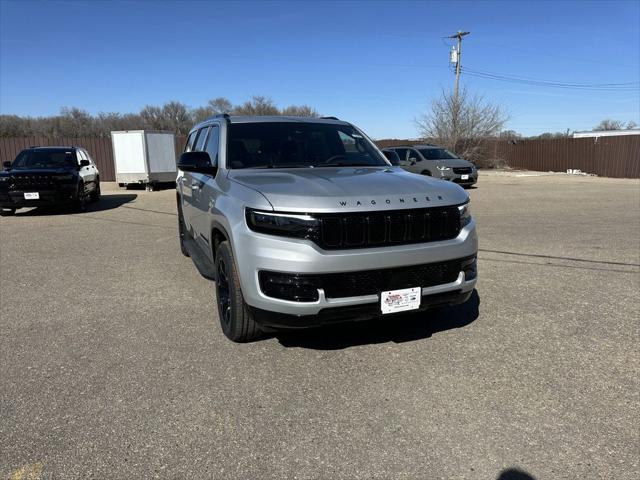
pixel 34 146
pixel 329 118
pixel 217 115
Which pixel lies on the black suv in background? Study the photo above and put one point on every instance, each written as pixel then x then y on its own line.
pixel 47 176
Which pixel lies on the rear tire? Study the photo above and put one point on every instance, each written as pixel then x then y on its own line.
pixel 236 319
pixel 426 172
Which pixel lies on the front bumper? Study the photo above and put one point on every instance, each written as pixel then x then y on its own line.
pixel 277 254
pixel 15 199
pixel 457 178
pixel 353 313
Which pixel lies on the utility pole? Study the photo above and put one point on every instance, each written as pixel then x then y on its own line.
pixel 455 112
pixel 458 57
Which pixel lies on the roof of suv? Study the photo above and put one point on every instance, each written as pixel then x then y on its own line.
pixel 271 119
pixel 52 147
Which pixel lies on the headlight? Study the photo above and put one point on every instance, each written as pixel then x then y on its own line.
pixel 443 168
pixel 284 224
pixel 465 214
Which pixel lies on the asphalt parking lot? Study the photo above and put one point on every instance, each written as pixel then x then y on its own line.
pixel 114 365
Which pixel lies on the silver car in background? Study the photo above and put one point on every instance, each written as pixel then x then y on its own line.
pixel 436 162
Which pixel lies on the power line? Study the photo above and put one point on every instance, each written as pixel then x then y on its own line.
pixel 517 79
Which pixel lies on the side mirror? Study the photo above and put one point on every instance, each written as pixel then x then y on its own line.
pixel 84 163
pixel 392 156
pixel 6 165
pixel 197 162
pixel 414 160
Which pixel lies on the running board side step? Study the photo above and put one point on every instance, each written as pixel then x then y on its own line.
pixel 205 266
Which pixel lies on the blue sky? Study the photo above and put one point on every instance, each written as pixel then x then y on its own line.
pixel 377 64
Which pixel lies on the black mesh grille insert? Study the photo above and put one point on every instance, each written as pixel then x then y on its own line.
pixel 360 230
pixel 33 182
pixel 461 170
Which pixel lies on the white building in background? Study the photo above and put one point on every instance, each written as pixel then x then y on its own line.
pixel 606 133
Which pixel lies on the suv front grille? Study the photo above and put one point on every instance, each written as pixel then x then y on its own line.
pixel 33 182
pixel 462 170
pixel 362 230
pixel 303 287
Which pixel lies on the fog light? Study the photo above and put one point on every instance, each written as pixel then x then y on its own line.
pixel 297 288
pixel 470 268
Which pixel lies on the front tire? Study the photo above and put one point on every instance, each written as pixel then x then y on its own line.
pixel 95 195
pixel 80 204
pixel 236 319
pixel 182 231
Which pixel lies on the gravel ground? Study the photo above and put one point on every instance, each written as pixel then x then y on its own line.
pixel 114 364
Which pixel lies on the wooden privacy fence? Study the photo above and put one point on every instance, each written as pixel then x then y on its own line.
pixel 604 156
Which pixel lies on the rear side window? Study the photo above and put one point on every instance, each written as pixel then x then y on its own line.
pixel 212 145
pixel 200 140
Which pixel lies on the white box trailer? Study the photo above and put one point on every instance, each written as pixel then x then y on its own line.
pixel 144 157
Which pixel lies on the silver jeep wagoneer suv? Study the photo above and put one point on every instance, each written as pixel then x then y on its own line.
pixel 302 222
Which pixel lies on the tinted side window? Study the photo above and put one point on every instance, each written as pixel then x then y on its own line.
pixel 202 136
pixel 212 145
pixel 415 154
pixel 189 146
pixel 402 153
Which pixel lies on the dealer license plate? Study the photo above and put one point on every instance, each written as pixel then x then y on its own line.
pixel 464 177
pixel 31 196
pixel 400 300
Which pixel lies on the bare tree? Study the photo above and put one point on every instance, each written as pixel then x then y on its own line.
pixel 152 117
pixel 220 105
pixel 173 116
pixel 608 124
pixel 300 111
pixel 213 107
pixel 176 117
pixel 258 105
pixel 462 124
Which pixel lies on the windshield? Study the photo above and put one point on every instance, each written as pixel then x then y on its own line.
pixel 298 145
pixel 44 158
pixel 437 154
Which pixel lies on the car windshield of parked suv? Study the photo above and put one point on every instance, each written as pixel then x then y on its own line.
pixel 45 158
pixel 299 145
pixel 436 153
